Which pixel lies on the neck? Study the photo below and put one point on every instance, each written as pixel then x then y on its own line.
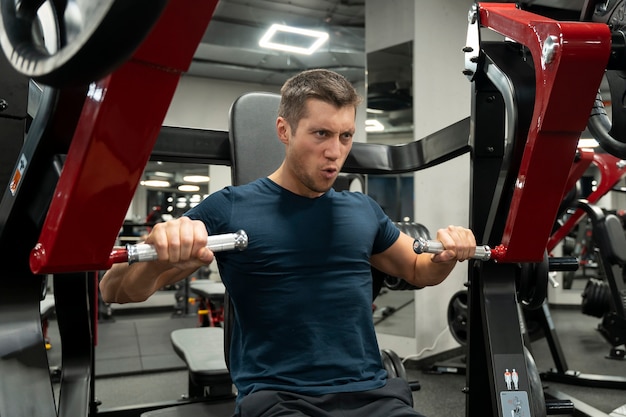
pixel 289 182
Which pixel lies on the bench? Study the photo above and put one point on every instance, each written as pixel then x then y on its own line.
pixel 202 349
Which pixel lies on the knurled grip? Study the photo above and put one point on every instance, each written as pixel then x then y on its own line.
pixel 142 252
pixel 421 245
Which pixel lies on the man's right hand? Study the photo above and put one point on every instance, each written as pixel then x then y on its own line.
pixel 181 249
pixel 181 242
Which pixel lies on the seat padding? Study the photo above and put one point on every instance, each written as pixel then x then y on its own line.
pixel 202 349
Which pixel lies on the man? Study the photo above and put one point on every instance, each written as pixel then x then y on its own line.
pixel 303 340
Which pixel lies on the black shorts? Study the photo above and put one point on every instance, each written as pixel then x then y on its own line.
pixel 393 400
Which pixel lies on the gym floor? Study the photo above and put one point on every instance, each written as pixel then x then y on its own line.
pixel 128 376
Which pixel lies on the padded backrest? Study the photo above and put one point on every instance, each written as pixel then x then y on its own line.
pixel 255 150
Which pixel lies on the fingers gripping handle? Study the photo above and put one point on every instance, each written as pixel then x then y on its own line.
pixel 217 243
pixel 422 245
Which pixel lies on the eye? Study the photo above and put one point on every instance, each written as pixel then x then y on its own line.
pixel 346 137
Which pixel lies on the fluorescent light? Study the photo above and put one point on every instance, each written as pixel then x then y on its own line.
pixel 276 29
pixel 188 188
pixel 155 183
pixel 373 125
pixel 196 178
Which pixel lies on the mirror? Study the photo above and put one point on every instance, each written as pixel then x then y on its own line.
pixel 390 121
pixel 390 94
pixel 166 190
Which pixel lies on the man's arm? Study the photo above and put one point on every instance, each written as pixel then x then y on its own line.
pixel 399 260
pixel 125 283
pixel 181 249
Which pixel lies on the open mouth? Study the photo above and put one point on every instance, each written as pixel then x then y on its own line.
pixel 329 171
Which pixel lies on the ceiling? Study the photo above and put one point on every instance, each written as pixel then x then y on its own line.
pixel 230 51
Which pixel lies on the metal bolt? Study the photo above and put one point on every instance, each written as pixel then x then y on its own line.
pixel 549 49
pixel 472 15
pixel 468 49
pixel 490 149
pixel 468 72
pixel 3 104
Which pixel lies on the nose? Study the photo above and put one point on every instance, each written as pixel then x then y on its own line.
pixel 333 148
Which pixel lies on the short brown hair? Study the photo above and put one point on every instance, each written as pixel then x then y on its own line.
pixel 321 84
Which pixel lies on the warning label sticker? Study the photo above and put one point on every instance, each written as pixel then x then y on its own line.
pixel 17 175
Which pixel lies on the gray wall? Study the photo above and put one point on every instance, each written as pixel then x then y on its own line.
pixel 441 97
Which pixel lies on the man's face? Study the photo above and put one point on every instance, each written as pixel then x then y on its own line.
pixel 317 149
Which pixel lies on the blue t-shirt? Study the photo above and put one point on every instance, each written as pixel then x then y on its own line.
pixel 302 290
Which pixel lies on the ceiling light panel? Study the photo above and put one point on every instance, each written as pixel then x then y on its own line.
pixel 188 188
pixel 155 183
pixel 196 178
pixel 373 125
pixel 292 39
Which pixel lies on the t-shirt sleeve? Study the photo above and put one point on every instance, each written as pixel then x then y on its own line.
pixel 215 211
pixel 388 232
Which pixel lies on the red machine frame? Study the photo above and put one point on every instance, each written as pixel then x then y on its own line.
pixel 523 207
pixel 116 132
pixel 561 52
pixel 611 172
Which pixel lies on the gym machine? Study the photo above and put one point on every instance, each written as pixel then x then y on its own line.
pixel 519 158
pixel 610 241
pixel 527 120
pixel 611 170
pixel 608 237
pixel 80 158
pixel 600 298
pixel 81 153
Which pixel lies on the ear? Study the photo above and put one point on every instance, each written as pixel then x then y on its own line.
pixel 283 130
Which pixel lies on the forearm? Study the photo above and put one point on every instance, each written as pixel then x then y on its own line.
pixel 422 270
pixel 125 283
pixel 458 244
pixel 428 273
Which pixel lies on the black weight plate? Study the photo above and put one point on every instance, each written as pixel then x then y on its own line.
pixel 388 364
pixel 95 37
pixel 457 316
pixel 398 366
pixel 533 283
